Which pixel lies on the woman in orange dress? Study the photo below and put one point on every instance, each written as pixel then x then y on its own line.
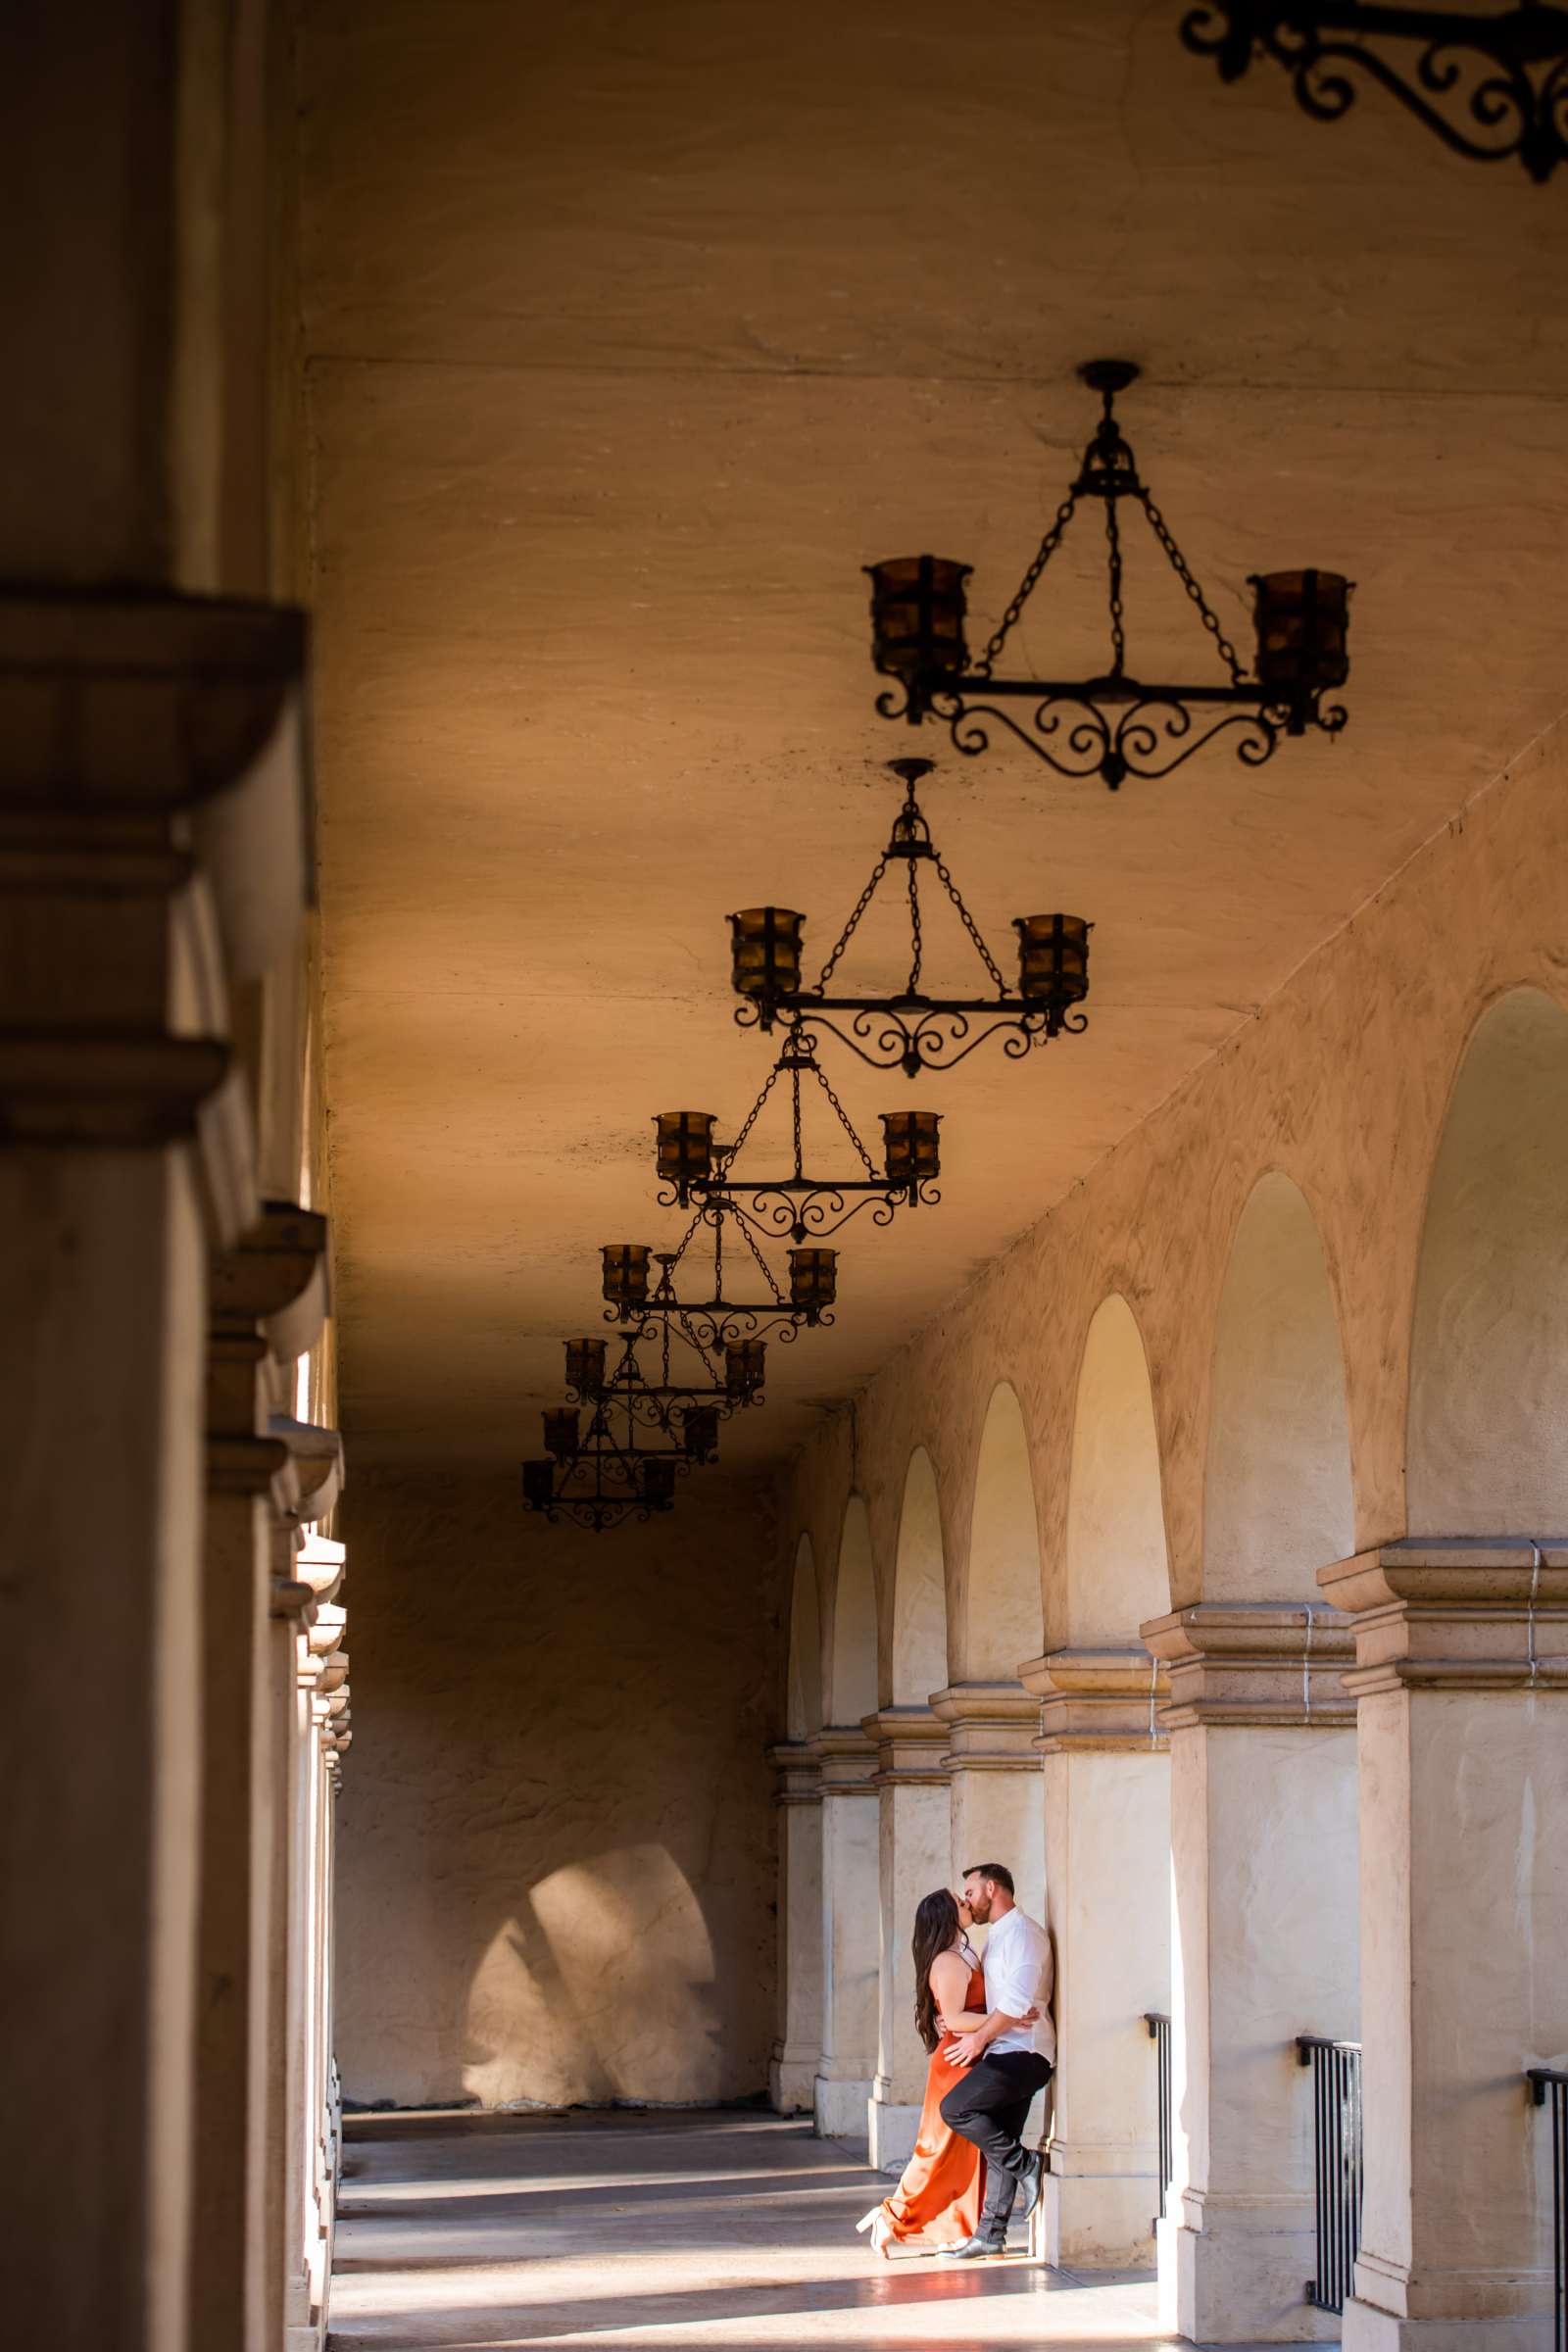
pixel 939 2195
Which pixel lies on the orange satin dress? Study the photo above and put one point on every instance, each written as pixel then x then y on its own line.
pixel 938 2198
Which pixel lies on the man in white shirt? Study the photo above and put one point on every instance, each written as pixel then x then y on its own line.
pixel 1008 2059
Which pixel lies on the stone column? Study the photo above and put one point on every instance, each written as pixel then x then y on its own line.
pixel 849 1940
pixel 1460 1678
pixel 1107 1773
pixel 915 1856
pixel 798 2051
pixel 997 1805
pixel 250 1483
pixel 1263 1861
pixel 151 853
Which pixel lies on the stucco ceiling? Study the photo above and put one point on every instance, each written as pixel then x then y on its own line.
pixel 630 334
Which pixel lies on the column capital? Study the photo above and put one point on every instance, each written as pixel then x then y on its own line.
pixel 1099 1700
pixel 1258 1662
pixel 1457 1613
pixel 846 1760
pixel 990 1727
pixel 797 1763
pixel 911 1745
pixel 316 1454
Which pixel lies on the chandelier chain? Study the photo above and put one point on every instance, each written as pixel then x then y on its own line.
pixel 1030 581
pixel 1179 566
pixel 1119 625
pixel 916 935
pixel 751 1114
pixel 768 1272
pixel 845 1122
pixel 845 936
pixel 970 925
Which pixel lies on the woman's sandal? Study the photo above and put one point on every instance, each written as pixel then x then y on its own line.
pixel 877 2221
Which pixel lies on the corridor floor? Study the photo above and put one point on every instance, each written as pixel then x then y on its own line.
pixel 665 2231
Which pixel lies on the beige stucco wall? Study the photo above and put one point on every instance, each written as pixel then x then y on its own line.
pixel 557 1872
pixel 1342 1081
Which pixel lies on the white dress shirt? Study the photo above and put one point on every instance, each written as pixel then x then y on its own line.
pixel 1018 1977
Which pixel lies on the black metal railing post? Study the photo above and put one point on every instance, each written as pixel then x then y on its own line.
pixel 1159 2035
pixel 1549 2087
pixel 1336 2164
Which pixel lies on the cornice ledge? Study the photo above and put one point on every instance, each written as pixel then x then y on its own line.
pixel 911 1745
pixel 1457 1613
pixel 797 1764
pixel 116 706
pixel 990 1727
pixel 318 1457
pixel 846 1760
pixel 1254 1664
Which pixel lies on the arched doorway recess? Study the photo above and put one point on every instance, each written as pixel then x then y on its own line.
pixel 798 2051
pixel 997 1795
pixel 915 1844
pixel 1462 1691
pixel 1107 1778
pixel 1264 1789
pixel 851 1940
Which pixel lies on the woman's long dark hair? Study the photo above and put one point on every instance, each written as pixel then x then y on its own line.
pixel 936 1930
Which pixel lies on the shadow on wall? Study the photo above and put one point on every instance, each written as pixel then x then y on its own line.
pixel 564 2008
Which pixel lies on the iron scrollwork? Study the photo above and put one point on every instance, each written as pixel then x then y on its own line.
pixel 1492 87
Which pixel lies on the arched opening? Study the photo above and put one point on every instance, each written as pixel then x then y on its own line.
pixel 1118 1576
pixel 1488 1356
pixel 919 1590
pixel 1277 1489
pixel 1000 1622
pixel 1108 1810
pixel 803 1715
pixel 853 1670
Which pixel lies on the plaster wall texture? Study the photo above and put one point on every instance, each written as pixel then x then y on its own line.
pixel 1341 1083
pixel 557 1844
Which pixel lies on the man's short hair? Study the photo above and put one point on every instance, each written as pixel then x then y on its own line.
pixel 991 1870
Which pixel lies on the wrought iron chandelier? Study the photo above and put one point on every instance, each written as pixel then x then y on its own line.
pixel 639 1436
pixel 1114 724
pixel 1491 86
pixel 716 1323
pixel 912 1030
pixel 694 1168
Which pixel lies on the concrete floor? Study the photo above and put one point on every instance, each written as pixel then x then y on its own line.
pixel 665 2229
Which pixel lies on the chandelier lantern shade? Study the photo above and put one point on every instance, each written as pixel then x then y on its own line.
pixel 919 617
pixel 539 1484
pixel 586 1367
pixel 1301 619
pixel 765 951
pixel 1052 963
pixel 814 1281
pixel 745 1368
pixel 912 1144
pixel 627 1274
pixel 685 1146
pixel 700 1432
pixel 562 1431
pixel 656 1482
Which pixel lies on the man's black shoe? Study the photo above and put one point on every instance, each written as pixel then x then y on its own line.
pixel 974 2249
pixel 1030 2185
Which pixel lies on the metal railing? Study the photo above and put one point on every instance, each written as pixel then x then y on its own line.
pixel 1548 2087
pixel 1336 2164
pixel 1159 2035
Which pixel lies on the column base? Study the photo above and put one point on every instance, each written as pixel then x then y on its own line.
pixel 892 2132
pixel 1369 2327
pixel 1100 2220
pixel 1241 2278
pixel 840 2108
pixel 792 2086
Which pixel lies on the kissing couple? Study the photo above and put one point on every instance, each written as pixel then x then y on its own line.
pixel 993 2046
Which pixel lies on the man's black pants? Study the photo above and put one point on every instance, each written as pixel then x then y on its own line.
pixel 990 2107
